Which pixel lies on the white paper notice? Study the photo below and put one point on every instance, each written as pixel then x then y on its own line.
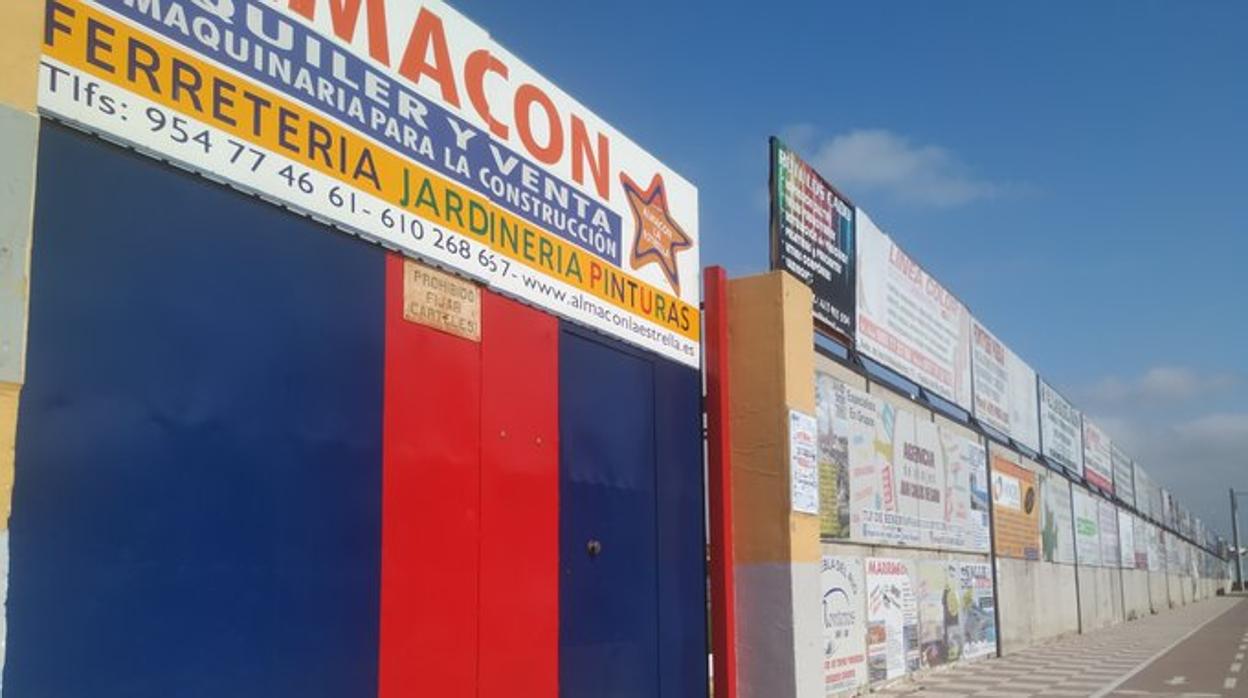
pixel 804 462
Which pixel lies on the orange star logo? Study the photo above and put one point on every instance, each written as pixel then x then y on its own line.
pixel 658 237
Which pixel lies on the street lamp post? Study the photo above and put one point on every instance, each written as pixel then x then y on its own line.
pixel 1239 559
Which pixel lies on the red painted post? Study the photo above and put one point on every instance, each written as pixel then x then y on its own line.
pixel 719 471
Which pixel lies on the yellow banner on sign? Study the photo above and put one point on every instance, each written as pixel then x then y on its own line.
pixel 118 53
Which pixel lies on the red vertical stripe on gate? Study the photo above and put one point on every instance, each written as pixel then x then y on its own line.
pixel 519 619
pixel 430 507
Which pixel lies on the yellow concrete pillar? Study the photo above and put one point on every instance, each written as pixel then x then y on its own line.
pixel 777 552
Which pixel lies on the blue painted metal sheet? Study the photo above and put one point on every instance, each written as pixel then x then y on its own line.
pixel 682 538
pixel 197 506
pixel 608 602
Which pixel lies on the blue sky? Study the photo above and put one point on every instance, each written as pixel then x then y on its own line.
pixel 1075 172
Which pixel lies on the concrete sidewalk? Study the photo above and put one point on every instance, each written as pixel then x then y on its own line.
pixel 1085 665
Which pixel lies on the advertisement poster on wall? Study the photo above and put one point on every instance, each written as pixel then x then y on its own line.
pixel 1061 433
pixel 963 524
pixel 844 625
pixel 1144 496
pixel 1057 522
pixel 1126 540
pixel 1087 528
pixel 935 591
pixel 976 609
pixel 803 462
pixel 1016 510
pixel 889 476
pixel 812 237
pixel 1124 476
pixel 1098 470
pixel 956 611
pixel 892 619
pixel 1157 558
pixel 1005 388
pixel 907 321
pixel 832 413
pixel 1108 524
pixel 1141 537
pixel 476 164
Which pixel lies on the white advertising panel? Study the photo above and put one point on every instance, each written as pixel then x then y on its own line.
pixel 1126 540
pixel 1087 528
pixel 1156 550
pixel 1124 476
pixel 1140 536
pixel 907 321
pixel 844 625
pixel 1061 433
pixel 1098 469
pixel 1004 388
pixel 406 124
pixel 909 482
pixel 1108 525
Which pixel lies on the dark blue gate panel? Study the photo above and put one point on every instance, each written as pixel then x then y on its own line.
pixel 197 506
pixel 608 607
pixel 682 546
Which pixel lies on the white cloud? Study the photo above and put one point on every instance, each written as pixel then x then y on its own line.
pixel 877 160
pixel 1159 385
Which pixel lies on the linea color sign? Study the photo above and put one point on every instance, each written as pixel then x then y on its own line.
pixel 907 321
pixel 401 122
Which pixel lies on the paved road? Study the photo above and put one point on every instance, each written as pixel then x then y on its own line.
pixel 1119 662
pixel 1209 663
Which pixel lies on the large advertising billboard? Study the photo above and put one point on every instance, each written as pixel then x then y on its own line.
pixel 1061 434
pixel 1124 476
pixel 1004 388
pixel 907 321
pixel 812 237
pixel 405 124
pixel 1016 510
pixel 1057 521
pixel 1098 469
pixel 891 476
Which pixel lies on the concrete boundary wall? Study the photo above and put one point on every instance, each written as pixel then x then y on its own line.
pixel 1037 602
pixel 1158 592
pixel 778 553
pixel 1137 602
pixel 1100 597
